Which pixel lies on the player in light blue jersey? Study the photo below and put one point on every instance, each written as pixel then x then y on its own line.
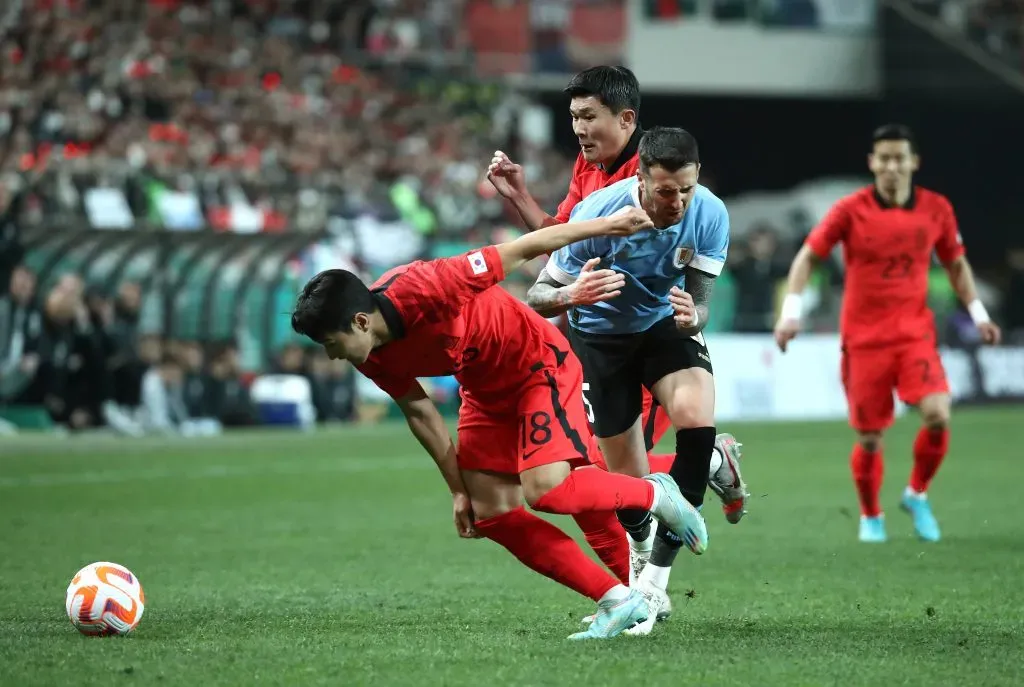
pixel 648 300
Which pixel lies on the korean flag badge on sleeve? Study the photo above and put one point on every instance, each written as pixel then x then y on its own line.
pixel 477 262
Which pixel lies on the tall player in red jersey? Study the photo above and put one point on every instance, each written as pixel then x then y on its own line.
pixel 522 425
pixel 605 105
pixel 889 232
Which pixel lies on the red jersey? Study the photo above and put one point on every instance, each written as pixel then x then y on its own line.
pixel 588 177
pixel 448 320
pixel 888 253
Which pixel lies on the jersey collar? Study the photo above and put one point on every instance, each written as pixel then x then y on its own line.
pixel 396 327
pixel 634 194
pixel 909 205
pixel 627 153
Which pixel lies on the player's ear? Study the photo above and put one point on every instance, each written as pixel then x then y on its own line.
pixel 915 162
pixel 627 118
pixel 361 322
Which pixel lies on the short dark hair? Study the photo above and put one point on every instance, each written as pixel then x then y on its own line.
pixel 615 87
pixel 894 132
pixel 671 148
pixel 328 303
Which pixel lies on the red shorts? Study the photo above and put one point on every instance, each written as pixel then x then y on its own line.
pixel 870 375
pixel 548 425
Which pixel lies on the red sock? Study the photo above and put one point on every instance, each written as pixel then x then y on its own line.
pixel 544 548
pixel 929 449
pixel 867 468
pixel 606 537
pixel 660 462
pixel 590 490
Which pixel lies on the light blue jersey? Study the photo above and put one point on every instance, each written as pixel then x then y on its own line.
pixel 652 261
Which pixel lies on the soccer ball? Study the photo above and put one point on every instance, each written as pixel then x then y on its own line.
pixel 105 599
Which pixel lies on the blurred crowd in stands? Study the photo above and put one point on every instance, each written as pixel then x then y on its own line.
pixel 995 25
pixel 79 353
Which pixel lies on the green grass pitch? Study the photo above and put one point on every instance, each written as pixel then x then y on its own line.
pixel 330 558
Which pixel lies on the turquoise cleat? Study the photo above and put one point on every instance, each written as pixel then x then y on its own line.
pixel 614 617
pixel 678 515
pixel 872 530
pixel 925 524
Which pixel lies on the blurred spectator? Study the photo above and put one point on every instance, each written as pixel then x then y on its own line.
pixel 126 363
pixel 21 326
pixel 163 409
pixel 290 361
pixel 229 398
pixel 334 389
pixel 757 268
pixel 1013 309
pixel 196 382
pixel 995 25
pixel 61 382
pixel 11 250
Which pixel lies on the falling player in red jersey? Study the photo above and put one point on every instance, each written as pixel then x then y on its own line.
pixel 604 105
pixel 522 426
pixel 889 232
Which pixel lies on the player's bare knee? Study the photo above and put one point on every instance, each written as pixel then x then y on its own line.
pixel 688 397
pixel 542 479
pixel 870 441
pixel 492 494
pixel 691 413
pixel 935 412
pixel 937 418
pixel 486 509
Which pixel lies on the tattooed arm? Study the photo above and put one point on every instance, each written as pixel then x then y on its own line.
pixel 548 297
pixel 699 286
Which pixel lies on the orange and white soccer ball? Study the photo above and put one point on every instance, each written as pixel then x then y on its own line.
pixel 105 599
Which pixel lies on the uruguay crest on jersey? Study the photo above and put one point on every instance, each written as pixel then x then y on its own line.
pixel 684 254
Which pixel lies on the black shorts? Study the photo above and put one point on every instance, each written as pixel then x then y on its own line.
pixel 616 365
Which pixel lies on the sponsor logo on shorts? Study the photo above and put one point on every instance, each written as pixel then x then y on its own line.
pixel 704 357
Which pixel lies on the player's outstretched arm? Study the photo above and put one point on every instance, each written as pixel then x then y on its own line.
pixel 788 325
pixel 961 277
pixel 429 428
pixel 544 241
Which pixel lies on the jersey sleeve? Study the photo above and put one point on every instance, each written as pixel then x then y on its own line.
pixel 438 290
pixel 565 264
pixel 713 243
pixel 832 229
pixel 574 196
pixel 950 245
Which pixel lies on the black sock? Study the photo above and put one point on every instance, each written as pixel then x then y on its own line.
pixel 693 462
pixel 636 522
pixel 666 547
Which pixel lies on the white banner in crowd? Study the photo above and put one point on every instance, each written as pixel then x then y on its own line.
pixel 754 381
